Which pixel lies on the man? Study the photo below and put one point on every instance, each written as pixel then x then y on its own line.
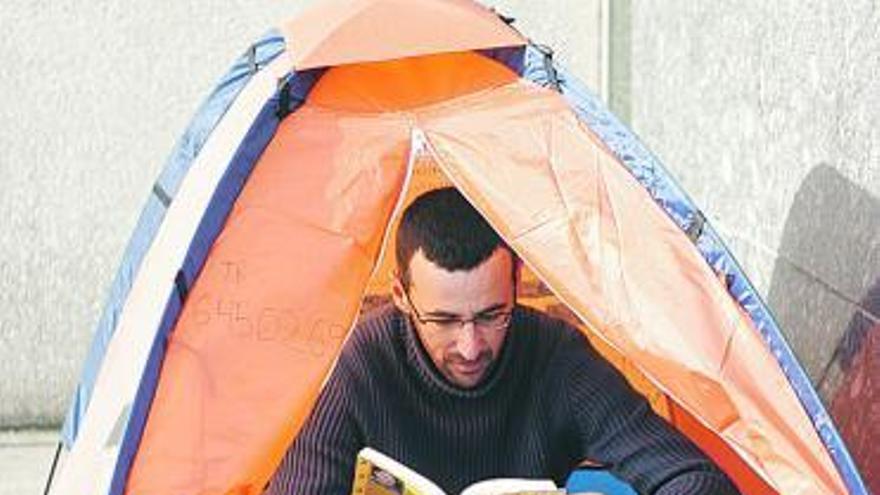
pixel 461 384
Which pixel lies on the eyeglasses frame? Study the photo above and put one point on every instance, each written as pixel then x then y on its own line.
pixel 461 322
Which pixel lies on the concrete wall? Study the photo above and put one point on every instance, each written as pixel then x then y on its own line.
pixel 769 114
pixel 93 96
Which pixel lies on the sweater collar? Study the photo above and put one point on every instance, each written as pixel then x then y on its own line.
pixel 427 372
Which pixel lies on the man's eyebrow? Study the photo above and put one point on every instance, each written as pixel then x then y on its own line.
pixel 442 314
pixel 448 314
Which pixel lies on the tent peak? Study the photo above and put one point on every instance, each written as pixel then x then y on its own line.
pixel 336 32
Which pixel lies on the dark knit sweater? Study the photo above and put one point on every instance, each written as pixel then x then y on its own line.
pixel 549 403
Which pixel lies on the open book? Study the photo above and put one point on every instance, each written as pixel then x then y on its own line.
pixel 378 474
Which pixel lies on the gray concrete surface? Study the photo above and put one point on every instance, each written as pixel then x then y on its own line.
pixel 769 115
pixel 92 98
pixel 25 460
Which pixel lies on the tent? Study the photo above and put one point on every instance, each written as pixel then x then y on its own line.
pixel 265 235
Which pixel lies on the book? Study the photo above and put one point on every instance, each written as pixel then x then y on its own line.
pixel 378 474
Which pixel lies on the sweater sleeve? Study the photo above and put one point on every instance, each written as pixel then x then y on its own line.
pixel 322 457
pixel 616 426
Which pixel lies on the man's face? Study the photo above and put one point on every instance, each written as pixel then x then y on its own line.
pixel 463 352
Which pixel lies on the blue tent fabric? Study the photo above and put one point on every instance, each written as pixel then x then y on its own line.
pixel 512 56
pixel 187 148
pixel 648 170
pixel 599 481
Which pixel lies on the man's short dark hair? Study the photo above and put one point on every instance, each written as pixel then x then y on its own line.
pixel 448 230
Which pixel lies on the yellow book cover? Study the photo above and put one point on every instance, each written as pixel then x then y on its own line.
pixel 377 474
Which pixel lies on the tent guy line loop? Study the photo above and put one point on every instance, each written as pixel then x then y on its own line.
pixel 695 229
pixel 552 75
pixel 253 66
pixel 161 194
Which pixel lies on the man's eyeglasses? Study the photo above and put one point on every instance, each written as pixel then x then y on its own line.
pixel 489 321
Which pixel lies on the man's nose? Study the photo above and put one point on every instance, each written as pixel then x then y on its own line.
pixel 469 343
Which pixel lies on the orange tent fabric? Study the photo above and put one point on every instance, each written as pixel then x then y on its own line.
pixel 352 31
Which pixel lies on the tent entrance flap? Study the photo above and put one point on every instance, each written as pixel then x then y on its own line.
pixel 586 227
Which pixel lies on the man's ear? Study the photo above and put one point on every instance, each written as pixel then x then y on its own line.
pixel 398 296
pixel 517 271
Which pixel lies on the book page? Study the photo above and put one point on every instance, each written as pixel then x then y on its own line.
pixel 377 474
pixel 513 486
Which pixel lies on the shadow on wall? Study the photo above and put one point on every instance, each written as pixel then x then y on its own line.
pixel 825 293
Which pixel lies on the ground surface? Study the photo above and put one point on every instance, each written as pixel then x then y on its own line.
pixel 25 459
